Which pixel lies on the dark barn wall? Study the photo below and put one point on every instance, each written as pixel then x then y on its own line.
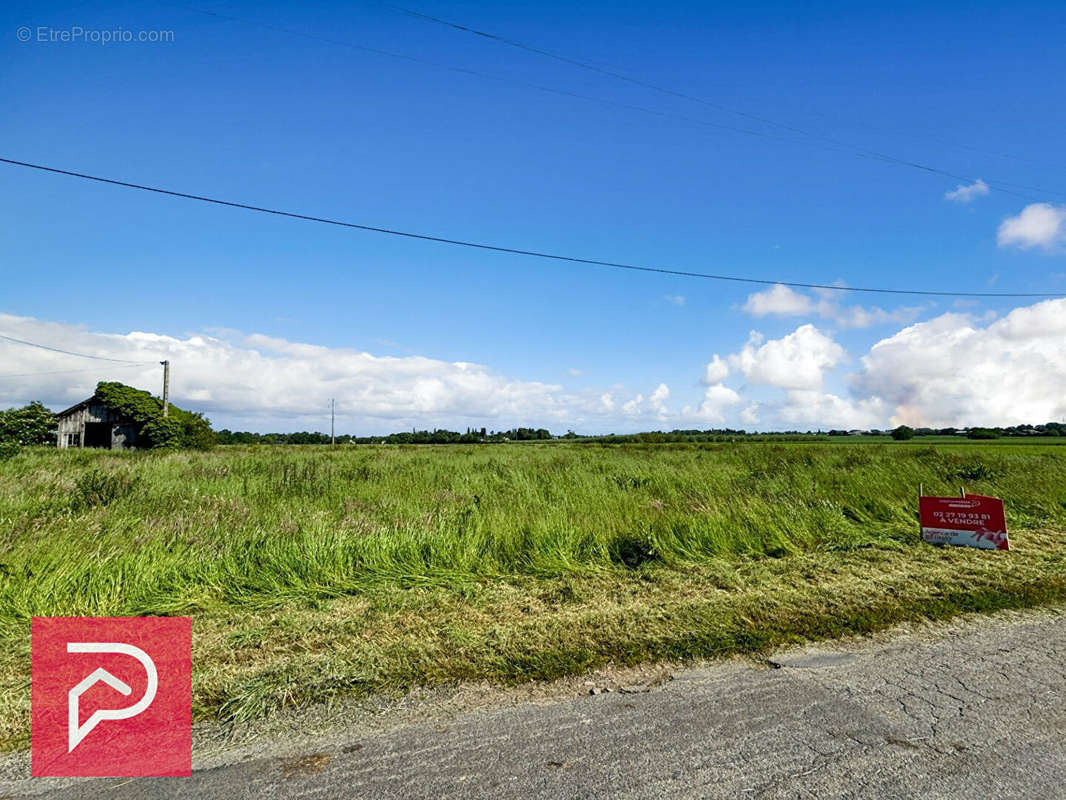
pixel 71 427
pixel 123 435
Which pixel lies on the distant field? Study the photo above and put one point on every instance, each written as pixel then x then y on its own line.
pixel 313 571
pixel 1043 441
pixel 821 438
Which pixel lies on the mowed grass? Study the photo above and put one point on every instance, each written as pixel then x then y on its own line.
pixel 315 572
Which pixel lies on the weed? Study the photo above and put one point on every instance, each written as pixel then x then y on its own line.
pixel 99 488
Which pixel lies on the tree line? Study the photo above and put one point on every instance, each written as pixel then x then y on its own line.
pixel 34 424
pixel 436 436
pixel 905 432
pixel 484 436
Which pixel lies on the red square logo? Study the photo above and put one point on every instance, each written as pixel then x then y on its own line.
pixel 112 696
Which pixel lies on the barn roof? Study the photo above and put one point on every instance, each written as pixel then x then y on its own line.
pixel 76 406
pixel 94 399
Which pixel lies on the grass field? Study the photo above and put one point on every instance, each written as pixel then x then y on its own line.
pixel 315 572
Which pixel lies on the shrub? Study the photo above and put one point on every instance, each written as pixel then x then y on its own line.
pixel 31 424
pixel 903 432
pixel 163 432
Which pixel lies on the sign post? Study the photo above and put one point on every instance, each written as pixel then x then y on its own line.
pixel 973 520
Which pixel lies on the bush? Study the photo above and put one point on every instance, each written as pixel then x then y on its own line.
pixel 162 432
pixel 31 424
pixel 982 433
pixel 903 432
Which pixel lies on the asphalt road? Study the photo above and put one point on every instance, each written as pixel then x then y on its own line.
pixel 973 711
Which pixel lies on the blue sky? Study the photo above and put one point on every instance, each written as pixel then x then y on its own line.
pixel 238 109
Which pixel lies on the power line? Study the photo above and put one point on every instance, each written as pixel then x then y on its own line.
pixel 516 250
pixel 493 77
pixel 806 138
pixel 69 352
pixel 856 149
pixel 66 371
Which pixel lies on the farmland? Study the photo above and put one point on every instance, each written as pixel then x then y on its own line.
pixel 314 572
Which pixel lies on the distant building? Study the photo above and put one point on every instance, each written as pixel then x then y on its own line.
pixel 91 423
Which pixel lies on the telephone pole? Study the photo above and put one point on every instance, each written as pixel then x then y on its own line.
pixel 166 387
pixel 332 416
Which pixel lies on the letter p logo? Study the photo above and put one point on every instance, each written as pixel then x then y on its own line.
pixel 85 671
pixel 76 732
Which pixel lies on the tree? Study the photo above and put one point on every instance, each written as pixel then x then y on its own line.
pixel 31 424
pixel 903 432
pixel 180 428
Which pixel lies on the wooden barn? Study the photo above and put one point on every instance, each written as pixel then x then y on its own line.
pixel 91 423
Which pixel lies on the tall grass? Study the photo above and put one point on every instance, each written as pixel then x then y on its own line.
pixel 109 533
pixel 312 571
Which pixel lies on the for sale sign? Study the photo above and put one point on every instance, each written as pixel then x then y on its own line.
pixel 973 520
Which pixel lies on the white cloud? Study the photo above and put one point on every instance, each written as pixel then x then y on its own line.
pixel 650 408
pixel 1038 225
pixel 818 409
pixel 780 300
pixel 796 361
pixel 950 371
pixel 966 194
pixel 957 369
pixel 717 370
pixel 633 407
pixel 260 381
pixel 716 401
pixel 860 317
pixel 954 370
pixel 750 415
pixel 658 399
pixel 575 372
pixel 797 364
pixel 676 299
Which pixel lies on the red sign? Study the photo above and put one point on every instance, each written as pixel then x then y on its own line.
pixel 974 520
pixel 112 696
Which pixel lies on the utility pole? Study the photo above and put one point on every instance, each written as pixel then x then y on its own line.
pixel 166 387
pixel 332 417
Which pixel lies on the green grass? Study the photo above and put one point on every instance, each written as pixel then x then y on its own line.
pixel 314 572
